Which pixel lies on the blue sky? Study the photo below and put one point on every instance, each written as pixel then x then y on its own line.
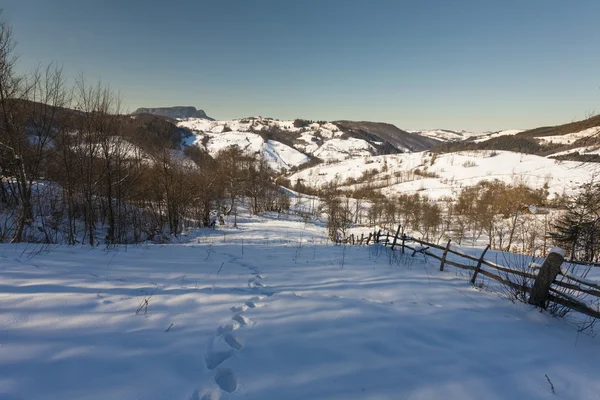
pixel 462 64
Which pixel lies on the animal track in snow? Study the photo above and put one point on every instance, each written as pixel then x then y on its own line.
pixel 238 309
pixel 233 341
pixel 226 380
pixel 255 285
pixel 252 304
pixel 241 319
pixel 216 358
pixel 227 328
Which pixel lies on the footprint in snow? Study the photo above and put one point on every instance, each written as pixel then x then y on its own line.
pixel 215 358
pixel 255 285
pixel 239 309
pixel 241 319
pixel 253 304
pixel 233 341
pixel 226 380
pixel 227 328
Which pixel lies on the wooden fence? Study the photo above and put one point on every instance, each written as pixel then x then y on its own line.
pixel 566 289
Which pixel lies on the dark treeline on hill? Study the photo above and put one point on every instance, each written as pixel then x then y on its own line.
pixel 564 129
pixel 508 143
pixel 527 142
pixel 74 169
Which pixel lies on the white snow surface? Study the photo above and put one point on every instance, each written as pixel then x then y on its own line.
pixel 322 140
pixel 448 135
pixel 571 137
pixel 453 171
pixel 271 311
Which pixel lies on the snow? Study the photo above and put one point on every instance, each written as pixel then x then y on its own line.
pixel 488 136
pixel 281 156
pixel 571 137
pixel 322 140
pixel 453 171
pixel 447 135
pixel 557 250
pixel 339 149
pixel 591 150
pixel 271 310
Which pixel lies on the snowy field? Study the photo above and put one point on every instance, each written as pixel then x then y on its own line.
pixel 450 172
pixel 271 310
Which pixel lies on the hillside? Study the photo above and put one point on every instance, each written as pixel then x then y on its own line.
pixel 443 176
pixel 303 140
pixel 577 141
pixel 387 133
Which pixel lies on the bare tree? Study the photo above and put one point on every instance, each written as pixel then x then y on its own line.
pixel 30 107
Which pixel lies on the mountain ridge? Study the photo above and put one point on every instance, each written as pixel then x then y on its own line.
pixel 174 112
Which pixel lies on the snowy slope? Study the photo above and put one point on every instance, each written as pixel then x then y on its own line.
pixel 452 172
pixel 492 135
pixel 590 150
pixel 323 140
pixel 447 135
pixel 272 311
pixel 571 137
pixel 281 156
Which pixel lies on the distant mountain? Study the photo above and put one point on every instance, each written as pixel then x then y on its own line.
pixel 174 112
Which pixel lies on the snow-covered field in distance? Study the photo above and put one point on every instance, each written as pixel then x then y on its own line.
pixel 452 171
pixel 271 310
pixel 447 135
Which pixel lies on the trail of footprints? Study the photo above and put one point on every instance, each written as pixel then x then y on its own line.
pixel 231 342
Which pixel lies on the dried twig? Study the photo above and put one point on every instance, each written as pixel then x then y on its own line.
pixel 551 385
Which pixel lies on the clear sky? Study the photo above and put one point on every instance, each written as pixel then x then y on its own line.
pixel 461 64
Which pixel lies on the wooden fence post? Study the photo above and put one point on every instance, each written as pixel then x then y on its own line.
pixel 403 239
pixel 479 264
pixel 378 236
pixel 444 255
pixel 396 237
pixel 547 274
pixel 369 238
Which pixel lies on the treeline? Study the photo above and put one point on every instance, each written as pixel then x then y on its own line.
pixel 74 169
pixel 508 216
pixel 515 143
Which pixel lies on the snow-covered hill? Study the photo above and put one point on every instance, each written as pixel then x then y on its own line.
pixel 444 175
pixel 294 142
pixel 447 135
pixel 258 135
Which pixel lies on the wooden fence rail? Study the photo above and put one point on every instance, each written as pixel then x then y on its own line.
pixel 564 290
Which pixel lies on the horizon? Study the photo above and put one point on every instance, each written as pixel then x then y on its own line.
pixel 433 65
